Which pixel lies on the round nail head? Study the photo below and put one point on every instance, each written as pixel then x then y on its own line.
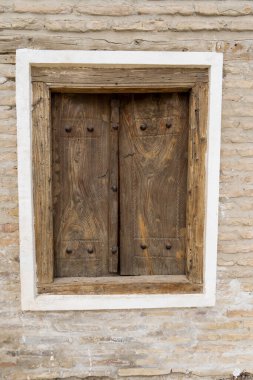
pixel 68 129
pixel 114 250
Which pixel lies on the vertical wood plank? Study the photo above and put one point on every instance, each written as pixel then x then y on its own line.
pixel 114 188
pixel 42 192
pixel 81 125
pixel 153 167
pixel 196 182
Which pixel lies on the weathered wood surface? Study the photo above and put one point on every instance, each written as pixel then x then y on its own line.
pixel 80 184
pixel 122 285
pixel 42 195
pixel 113 226
pixel 153 166
pixel 115 77
pixel 196 182
pixel 151 133
pixel 153 138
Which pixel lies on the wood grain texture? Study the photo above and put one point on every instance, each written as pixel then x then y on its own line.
pixel 153 167
pixel 42 195
pixel 114 187
pixel 113 78
pixel 80 184
pixel 122 285
pixel 196 182
pixel 148 136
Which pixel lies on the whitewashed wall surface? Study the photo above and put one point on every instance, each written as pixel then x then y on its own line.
pixel 207 343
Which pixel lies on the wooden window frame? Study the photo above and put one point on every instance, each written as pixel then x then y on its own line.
pixel 39 73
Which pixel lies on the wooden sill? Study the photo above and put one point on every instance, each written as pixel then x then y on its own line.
pixel 177 284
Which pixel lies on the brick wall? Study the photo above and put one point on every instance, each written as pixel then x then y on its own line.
pixel 204 343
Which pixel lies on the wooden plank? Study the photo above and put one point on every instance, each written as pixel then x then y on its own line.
pixel 122 285
pixel 196 182
pixel 153 166
pixel 66 88
pixel 114 187
pixel 42 192
pixel 116 77
pixel 80 184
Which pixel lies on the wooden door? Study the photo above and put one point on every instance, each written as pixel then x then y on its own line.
pixel 82 142
pixel 129 150
pixel 153 183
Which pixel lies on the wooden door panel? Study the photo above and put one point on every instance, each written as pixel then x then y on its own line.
pixel 159 113
pixel 76 261
pixel 83 203
pixel 80 184
pixel 153 180
pixel 163 256
pixel 75 128
pixel 81 112
pixel 157 125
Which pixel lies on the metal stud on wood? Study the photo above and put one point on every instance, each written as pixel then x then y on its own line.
pixel 68 129
pixel 114 188
pixel 143 127
pixel 115 126
pixel 114 250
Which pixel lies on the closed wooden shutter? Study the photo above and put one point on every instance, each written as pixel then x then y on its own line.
pixel 153 183
pixel 81 183
pixel 119 183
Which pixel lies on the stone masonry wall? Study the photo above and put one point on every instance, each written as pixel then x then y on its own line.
pixel 205 343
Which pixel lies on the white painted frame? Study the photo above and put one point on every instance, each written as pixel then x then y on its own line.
pixel 24 59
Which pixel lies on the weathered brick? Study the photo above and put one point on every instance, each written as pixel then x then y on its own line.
pixel 20 23
pixel 43 7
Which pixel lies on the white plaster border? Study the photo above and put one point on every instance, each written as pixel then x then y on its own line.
pixel 29 298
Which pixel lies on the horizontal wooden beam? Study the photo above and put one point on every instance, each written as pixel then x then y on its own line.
pixel 114 78
pixel 121 285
